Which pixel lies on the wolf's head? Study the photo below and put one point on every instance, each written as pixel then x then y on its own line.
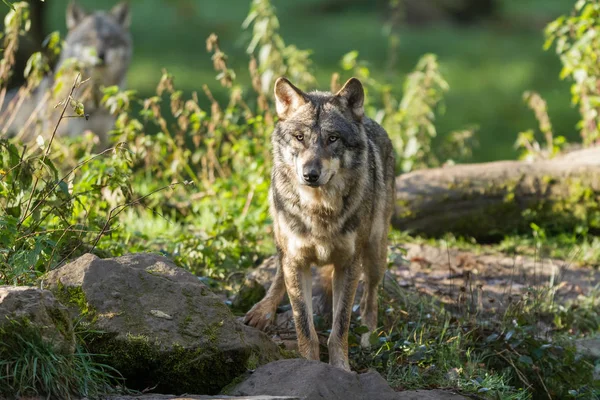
pixel 319 134
pixel 101 40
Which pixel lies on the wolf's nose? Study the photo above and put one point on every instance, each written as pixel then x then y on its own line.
pixel 311 176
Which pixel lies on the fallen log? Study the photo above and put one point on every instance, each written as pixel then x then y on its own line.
pixel 487 201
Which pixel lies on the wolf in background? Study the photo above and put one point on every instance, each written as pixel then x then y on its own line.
pixel 99 42
pixel 331 199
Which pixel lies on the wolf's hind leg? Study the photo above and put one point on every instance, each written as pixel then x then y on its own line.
pixel 374 264
pixel 262 314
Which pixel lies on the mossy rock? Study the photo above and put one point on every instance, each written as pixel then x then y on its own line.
pixel 30 306
pixel 160 326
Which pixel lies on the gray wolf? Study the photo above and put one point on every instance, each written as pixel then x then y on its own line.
pixel 100 44
pixel 331 200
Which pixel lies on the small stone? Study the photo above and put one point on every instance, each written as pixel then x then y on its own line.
pixel 453 374
pixel 160 314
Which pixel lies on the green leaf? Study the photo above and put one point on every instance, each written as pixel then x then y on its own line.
pixel 525 360
pixel 374 339
pixel 14 211
pixel 361 329
pixel 492 338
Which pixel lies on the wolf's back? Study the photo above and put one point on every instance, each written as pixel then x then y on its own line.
pixel 384 146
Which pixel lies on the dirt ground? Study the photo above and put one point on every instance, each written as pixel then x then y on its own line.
pixel 490 281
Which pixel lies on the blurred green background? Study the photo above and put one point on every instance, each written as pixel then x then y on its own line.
pixel 489 62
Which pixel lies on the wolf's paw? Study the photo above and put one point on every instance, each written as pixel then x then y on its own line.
pixel 341 363
pixel 261 316
pixel 365 340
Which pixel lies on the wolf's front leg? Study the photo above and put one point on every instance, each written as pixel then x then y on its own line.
pixel 262 314
pixel 345 281
pixel 298 281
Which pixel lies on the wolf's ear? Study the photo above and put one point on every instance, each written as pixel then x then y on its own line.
pixel 288 98
pixel 75 14
pixel 121 13
pixel 352 96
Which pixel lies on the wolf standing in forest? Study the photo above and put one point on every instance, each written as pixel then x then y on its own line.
pixel 331 197
pixel 101 43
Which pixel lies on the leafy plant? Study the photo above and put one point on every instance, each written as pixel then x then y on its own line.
pixel 48 214
pixel 577 41
pixel 526 140
pixel 275 58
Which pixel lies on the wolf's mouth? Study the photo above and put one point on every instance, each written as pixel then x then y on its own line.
pixel 314 185
pixel 317 184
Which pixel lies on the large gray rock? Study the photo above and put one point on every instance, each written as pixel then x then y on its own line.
pixel 161 326
pixel 38 309
pixel 194 397
pixel 314 380
pixel 429 395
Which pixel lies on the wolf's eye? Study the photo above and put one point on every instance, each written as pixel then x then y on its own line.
pixel 333 139
pixel 299 137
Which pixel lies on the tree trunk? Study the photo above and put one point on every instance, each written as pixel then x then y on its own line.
pixel 490 200
pixel 31 42
pixel 38 12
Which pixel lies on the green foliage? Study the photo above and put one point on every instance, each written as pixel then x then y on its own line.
pixel 527 141
pixel 30 366
pixel 224 154
pixel 577 42
pixel 423 345
pixel 275 58
pixel 410 121
pixel 48 215
pixel 412 124
pixel 16 23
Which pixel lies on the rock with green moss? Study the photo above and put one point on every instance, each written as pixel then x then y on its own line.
pixel 159 325
pixel 30 306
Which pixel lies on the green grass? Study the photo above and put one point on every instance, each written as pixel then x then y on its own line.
pixel 488 65
pixel 31 366
pixel 506 356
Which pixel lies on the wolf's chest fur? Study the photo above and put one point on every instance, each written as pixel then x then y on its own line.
pixel 314 227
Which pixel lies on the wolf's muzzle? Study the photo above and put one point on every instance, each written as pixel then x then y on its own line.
pixel 311 175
